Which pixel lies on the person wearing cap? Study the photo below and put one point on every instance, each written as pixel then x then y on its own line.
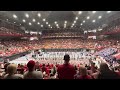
pixel 31 73
pixel 66 71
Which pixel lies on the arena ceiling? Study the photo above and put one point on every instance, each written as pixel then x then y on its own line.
pixel 42 20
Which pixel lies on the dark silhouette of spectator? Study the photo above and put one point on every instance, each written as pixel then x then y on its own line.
pixel 66 71
pixel 44 68
pixel 106 73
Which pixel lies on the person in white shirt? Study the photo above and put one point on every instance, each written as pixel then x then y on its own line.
pixel 31 73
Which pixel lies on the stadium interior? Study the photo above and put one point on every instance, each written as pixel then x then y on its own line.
pixel 60 44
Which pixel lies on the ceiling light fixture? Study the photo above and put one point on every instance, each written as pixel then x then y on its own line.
pixel 34 20
pixel 80 12
pixel 41 25
pixel 99 17
pixel 108 11
pixel 88 17
pixel 14 16
pixel 39 15
pixel 30 23
pixel 74 21
pixel 84 21
pixel 24 20
pixel 43 19
pixel 93 21
pixel 55 22
pixel 27 15
pixel 76 18
pixel 93 11
pixel 57 25
pixel 65 22
pixel 46 22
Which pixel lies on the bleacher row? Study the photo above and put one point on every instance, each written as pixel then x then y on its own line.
pixel 11 47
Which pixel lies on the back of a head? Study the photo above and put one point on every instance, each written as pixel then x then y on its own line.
pixel 31 65
pixel 83 71
pixel 104 67
pixel 66 57
pixel 11 69
pixel 43 65
pixel 93 64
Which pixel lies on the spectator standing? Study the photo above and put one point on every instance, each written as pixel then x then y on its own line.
pixel 44 68
pixel 66 71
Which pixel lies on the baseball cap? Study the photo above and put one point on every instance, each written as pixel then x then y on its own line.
pixel 31 64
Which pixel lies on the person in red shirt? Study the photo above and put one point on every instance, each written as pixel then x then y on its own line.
pixel 66 71
pixel 56 65
pixel 51 66
pixel 40 65
pixel 44 68
pixel 47 70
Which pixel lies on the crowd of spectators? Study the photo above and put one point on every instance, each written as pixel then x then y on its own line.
pixel 115 29
pixel 8 48
pixel 6 31
pixel 67 34
pixel 35 70
pixel 79 43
